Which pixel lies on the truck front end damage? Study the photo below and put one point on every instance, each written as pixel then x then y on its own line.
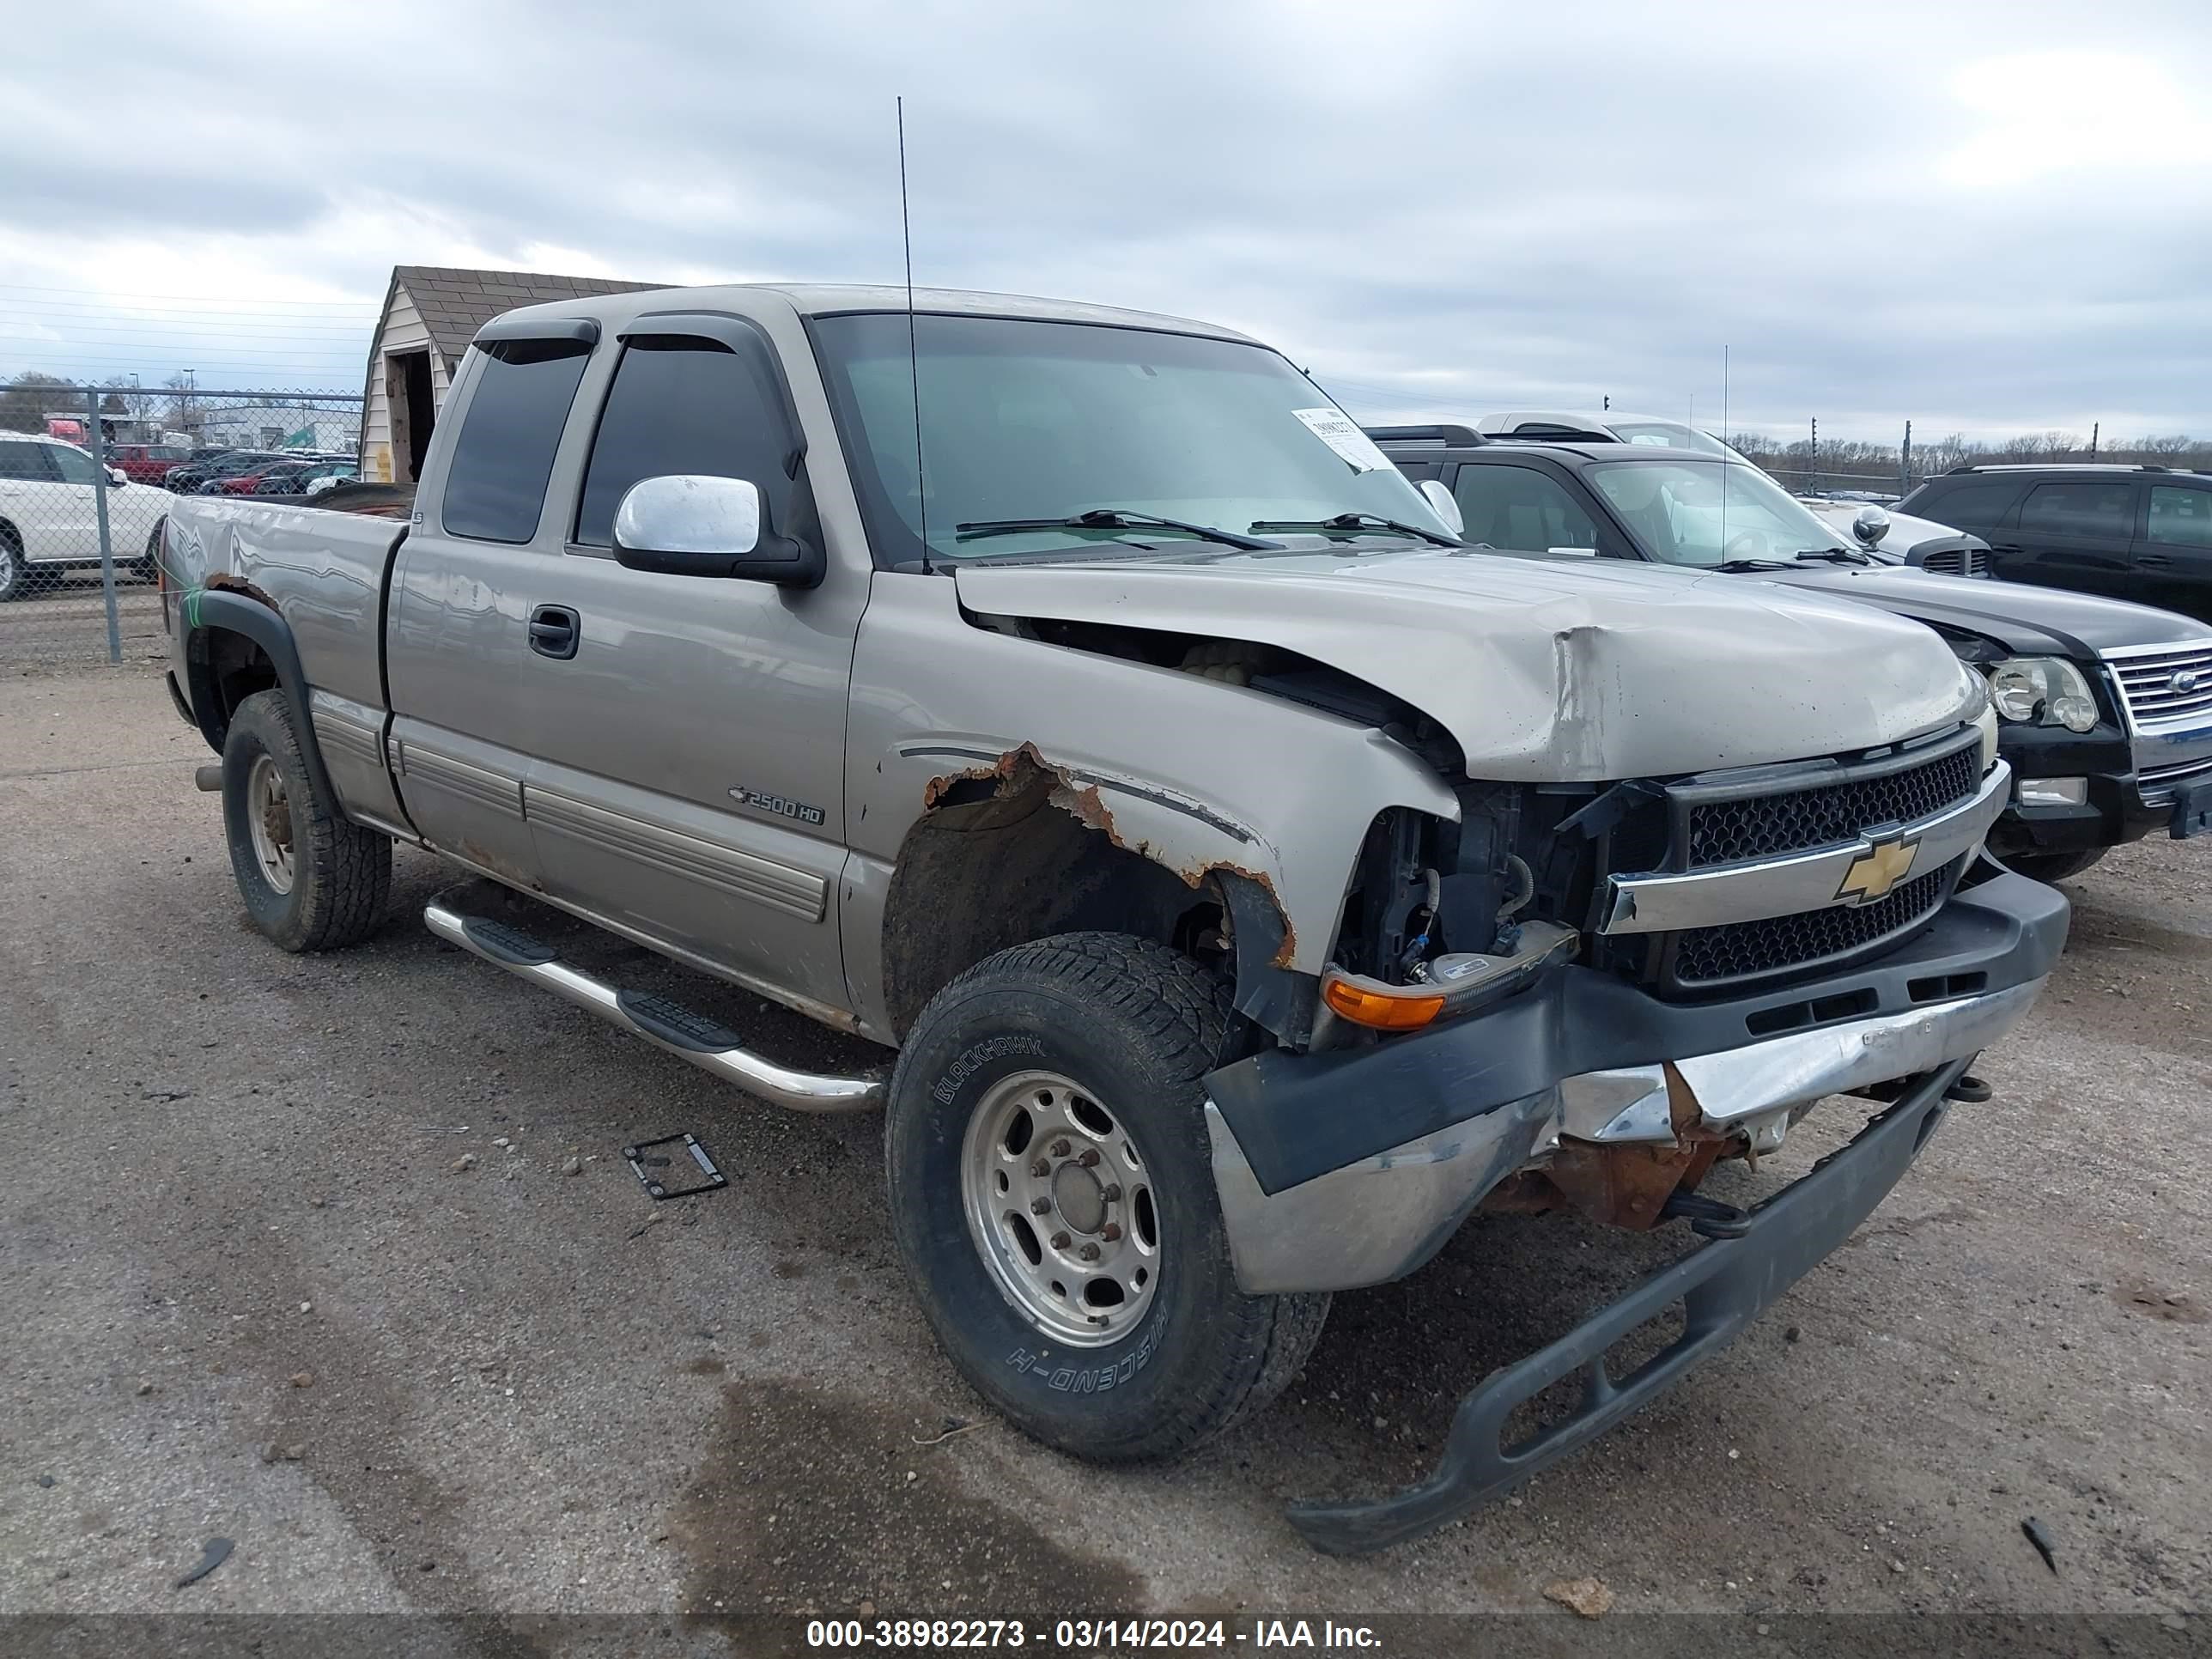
pixel 1584 1000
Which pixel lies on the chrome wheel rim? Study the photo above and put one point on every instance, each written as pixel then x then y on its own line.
pixel 1060 1206
pixel 269 820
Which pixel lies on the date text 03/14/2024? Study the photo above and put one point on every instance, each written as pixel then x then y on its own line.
pixel 1087 1634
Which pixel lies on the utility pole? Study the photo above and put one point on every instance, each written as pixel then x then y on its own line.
pixel 1607 403
pixel 1905 462
pixel 1816 454
pixel 2096 427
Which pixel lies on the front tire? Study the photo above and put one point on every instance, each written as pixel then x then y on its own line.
pixel 1052 1199
pixel 2053 867
pixel 311 880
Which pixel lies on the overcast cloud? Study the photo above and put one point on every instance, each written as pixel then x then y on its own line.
pixel 1986 219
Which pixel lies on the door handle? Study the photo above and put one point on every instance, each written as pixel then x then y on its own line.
pixel 2157 561
pixel 555 631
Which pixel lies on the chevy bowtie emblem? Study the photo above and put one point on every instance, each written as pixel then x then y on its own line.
pixel 1875 872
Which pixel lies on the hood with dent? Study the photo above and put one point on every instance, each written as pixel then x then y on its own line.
pixel 1581 672
pixel 2025 621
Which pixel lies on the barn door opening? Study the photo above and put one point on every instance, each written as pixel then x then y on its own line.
pixel 414 411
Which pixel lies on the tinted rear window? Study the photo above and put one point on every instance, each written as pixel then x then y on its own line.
pixel 1974 506
pixel 2078 509
pixel 495 483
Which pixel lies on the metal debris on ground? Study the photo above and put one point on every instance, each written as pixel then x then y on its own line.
pixel 2036 1535
pixel 712 1178
pixel 216 1553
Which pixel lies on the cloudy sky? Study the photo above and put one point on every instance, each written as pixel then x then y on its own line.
pixel 1988 219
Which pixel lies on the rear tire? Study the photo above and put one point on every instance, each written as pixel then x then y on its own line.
pixel 15 575
pixel 2052 866
pixel 1082 1046
pixel 148 565
pixel 311 880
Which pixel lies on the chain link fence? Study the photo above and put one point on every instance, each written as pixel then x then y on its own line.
pixel 87 477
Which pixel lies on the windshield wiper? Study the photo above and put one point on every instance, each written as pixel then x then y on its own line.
pixel 1832 555
pixel 1351 521
pixel 1112 518
pixel 1735 566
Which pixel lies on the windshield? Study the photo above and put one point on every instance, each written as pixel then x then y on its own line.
pixel 1043 420
pixel 1698 513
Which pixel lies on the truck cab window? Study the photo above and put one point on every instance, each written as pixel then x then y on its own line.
pixel 680 404
pixel 495 483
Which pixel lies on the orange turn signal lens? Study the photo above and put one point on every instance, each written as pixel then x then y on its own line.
pixel 1381 1010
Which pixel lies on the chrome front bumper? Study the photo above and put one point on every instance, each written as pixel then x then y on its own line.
pixel 1379 1218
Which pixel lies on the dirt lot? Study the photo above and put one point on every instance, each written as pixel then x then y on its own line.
pixel 248 1290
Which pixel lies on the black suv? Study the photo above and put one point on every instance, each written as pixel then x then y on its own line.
pixel 2105 709
pixel 2133 532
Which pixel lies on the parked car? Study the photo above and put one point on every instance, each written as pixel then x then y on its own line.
pixel 147 463
pixel 187 480
pixel 304 477
pixel 1249 882
pixel 1942 550
pixel 50 495
pixel 2105 707
pixel 2131 532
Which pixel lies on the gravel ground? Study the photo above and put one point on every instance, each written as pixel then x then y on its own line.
pixel 288 1255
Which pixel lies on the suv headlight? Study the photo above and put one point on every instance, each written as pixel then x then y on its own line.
pixel 2049 689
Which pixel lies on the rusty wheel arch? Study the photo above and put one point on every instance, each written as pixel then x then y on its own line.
pixel 1025 847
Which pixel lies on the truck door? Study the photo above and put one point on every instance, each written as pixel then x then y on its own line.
pixel 2074 533
pixel 2173 560
pixel 460 620
pixel 691 744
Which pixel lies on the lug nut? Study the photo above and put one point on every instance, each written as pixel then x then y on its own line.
pixel 1059 1149
pixel 1040 1207
pixel 1040 1168
pixel 1111 1231
pixel 1089 1253
pixel 1113 1192
pixel 1089 1158
pixel 1059 1240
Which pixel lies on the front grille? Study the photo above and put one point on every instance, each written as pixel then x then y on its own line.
pixel 1747 950
pixel 1767 826
pixel 1958 562
pixel 2147 683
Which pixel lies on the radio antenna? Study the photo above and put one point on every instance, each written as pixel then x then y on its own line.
pixel 913 356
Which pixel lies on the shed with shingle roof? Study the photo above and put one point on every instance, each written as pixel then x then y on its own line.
pixel 430 314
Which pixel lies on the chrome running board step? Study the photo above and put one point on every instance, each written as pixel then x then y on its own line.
pixel 663 1023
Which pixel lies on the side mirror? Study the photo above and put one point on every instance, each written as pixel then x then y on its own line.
pixel 693 524
pixel 1442 504
pixel 116 477
pixel 1870 525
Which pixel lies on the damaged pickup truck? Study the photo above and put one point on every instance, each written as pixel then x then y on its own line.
pixel 1251 880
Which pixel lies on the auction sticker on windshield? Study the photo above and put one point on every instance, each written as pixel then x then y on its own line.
pixel 1341 434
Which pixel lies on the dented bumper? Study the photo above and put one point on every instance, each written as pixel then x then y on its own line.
pixel 1341 1169
pixel 1721 1286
